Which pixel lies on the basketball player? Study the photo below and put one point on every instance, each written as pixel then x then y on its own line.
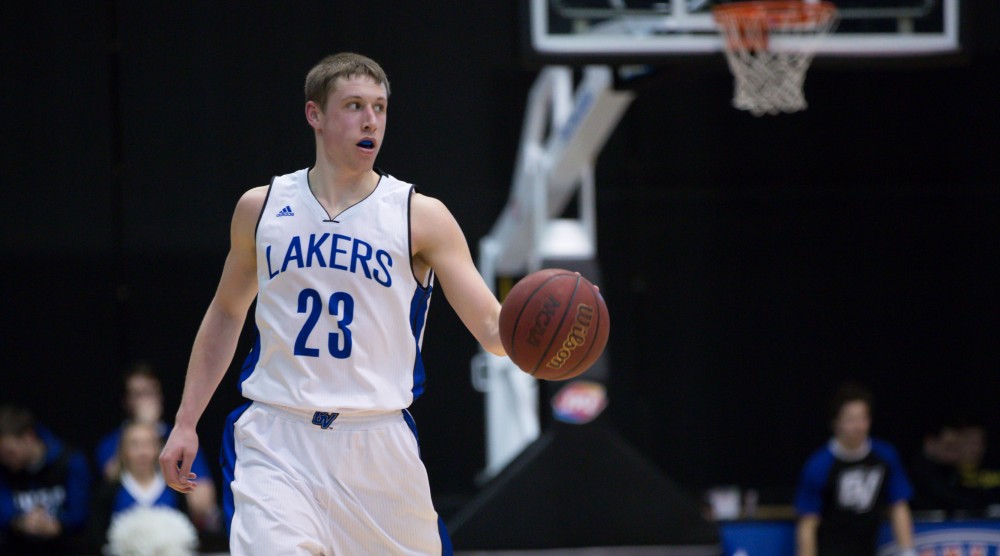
pixel 342 259
pixel 848 484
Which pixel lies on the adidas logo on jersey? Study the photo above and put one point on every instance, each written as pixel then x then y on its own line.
pixel 287 211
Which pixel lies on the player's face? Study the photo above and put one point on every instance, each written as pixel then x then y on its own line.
pixel 852 424
pixel 15 452
pixel 353 124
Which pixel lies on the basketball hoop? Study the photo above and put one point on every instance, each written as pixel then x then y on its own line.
pixel 769 46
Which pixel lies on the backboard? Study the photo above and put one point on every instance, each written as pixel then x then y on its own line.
pixel 561 31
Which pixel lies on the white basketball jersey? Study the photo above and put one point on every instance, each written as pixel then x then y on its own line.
pixel 340 316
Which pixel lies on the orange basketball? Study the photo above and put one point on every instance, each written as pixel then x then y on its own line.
pixel 554 324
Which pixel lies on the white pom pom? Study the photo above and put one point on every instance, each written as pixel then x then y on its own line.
pixel 152 531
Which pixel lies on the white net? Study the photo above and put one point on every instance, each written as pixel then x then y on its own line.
pixel 769 46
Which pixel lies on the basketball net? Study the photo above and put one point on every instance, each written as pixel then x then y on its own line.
pixel 769 46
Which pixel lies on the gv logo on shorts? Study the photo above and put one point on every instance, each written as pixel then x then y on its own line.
pixel 324 419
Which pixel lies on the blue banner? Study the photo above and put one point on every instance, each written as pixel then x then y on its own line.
pixel 931 538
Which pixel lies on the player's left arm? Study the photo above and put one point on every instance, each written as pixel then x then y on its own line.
pixel 438 243
pixel 900 491
pixel 805 535
pixel 902 524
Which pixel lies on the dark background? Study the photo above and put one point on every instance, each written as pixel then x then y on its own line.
pixel 750 264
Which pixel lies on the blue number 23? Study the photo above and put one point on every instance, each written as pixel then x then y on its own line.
pixel 341 305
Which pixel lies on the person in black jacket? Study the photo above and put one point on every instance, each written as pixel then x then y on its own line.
pixel 44 488
pixel 949 473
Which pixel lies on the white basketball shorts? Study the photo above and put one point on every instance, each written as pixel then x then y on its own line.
pixel 315 483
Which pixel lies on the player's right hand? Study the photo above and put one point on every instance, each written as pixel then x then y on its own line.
pixel 176 458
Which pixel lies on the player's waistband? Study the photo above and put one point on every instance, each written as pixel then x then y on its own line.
pixel 332 419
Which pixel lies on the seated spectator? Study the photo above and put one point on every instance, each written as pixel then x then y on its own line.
pixel 980 481
pixel 950 475
pixel 139 482
pixel 143 403
pixel 934 472
pixel 44 488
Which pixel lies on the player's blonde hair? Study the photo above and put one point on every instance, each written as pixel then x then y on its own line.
pixel 322 78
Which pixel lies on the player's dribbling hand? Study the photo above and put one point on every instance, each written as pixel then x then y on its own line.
pixel 176 458
pixel 596 287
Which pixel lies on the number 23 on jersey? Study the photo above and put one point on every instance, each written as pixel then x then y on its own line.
pixel 340 306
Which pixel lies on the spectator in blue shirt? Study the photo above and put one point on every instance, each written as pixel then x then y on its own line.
pixel 143 403
pixel 44 488
pixel 847 485
pixel 139 482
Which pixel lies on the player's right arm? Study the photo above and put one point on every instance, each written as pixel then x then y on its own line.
pixel 215 342
pixel 809 502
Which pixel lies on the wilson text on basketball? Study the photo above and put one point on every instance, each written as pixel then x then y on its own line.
pixel 542 320
pixel 576 337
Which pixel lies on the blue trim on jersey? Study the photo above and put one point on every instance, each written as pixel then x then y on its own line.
pixel 419 375
pixel 409 229
pixel 418 317
pixel 446 547
pixel 227 460
pixel 250 363
pixel 263 206
pixel 809 496
pixel 898 488
pixel 227 452
pixel 412 424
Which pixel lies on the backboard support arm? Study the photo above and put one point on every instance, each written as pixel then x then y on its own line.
pixel 563 131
